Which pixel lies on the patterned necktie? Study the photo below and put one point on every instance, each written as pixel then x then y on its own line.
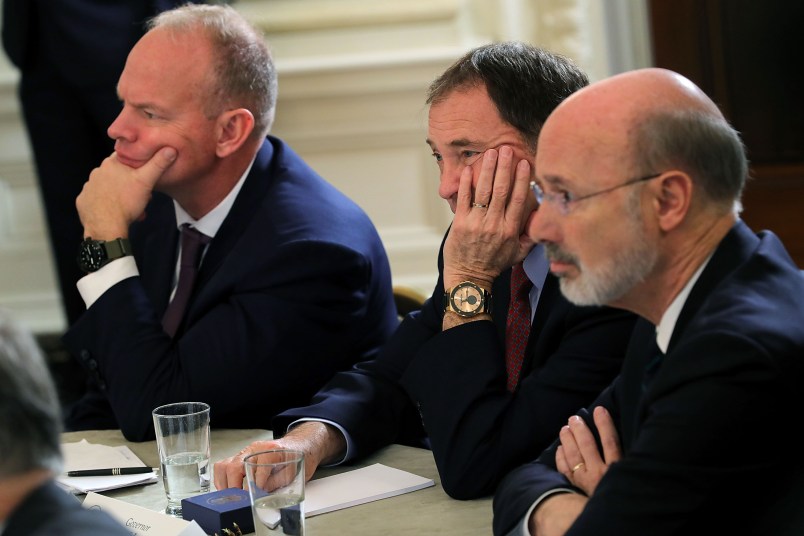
pixel 517 329
pixel 192 247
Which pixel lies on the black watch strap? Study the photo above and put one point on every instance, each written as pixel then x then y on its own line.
pixel 119 247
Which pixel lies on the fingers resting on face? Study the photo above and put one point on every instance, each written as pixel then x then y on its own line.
pixel 501 180
pixel 485 237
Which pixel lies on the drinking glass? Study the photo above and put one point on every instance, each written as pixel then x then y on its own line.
pixel 182 436
pixel 276 486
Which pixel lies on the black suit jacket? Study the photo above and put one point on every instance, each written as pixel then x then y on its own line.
pixel 706 446
pixel 294 287
pixel 454 382
pixel 50 510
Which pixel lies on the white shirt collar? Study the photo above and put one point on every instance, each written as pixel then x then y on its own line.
pixel 668 322
pixel 212 220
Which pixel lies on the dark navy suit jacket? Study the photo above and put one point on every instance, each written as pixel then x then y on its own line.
pixel 454 381
pixel 50 510
pixel 294 287
pixel 707 446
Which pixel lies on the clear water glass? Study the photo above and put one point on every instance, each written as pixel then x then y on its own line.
pixel 182 437
pixel 276 486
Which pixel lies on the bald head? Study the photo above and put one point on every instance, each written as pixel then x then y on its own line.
pixel 650 121
pixel 645 92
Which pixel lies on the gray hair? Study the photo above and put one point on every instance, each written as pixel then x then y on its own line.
pixel 701 144
pixel 244 73
pixel 29 405
pixel 524 82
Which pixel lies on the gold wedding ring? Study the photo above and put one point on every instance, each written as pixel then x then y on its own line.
pixel 577 466
pixel 479 205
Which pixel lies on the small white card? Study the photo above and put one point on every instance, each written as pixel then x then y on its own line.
pixel 141 521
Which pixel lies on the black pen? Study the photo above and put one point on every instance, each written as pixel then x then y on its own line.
pixel 111 472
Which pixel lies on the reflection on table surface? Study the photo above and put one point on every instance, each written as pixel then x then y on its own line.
pixel 423 512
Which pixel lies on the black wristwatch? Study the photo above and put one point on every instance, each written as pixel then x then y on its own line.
pixel 95 254
pixel 467 299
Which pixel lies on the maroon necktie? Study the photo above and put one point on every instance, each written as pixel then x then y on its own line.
pixel 192 247
pixel 517 329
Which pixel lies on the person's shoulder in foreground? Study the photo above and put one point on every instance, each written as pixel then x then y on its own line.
pixel 294 284
pixel 30 501
pixel 50 510
pixel 691 437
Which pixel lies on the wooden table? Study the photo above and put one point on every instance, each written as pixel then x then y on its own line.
pixel 424 512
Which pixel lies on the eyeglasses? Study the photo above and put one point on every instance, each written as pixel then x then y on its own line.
pixel 564 200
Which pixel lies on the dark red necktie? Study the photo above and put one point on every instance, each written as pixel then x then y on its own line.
pixel 517 329
pixel 192 247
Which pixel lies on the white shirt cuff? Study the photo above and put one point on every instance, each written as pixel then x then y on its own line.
pixel 92 286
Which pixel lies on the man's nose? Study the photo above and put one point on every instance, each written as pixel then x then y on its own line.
pixel 449 181
pixel 118 129
pixel 543 226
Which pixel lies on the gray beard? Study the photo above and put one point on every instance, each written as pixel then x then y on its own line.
pixel 619 273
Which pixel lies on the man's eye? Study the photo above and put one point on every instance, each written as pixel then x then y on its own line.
pixel 148 114
pixel 469 154
pixel 565 197
pixel 437 156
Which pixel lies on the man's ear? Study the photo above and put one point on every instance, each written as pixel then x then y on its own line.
pixel 673 199
pixel 232 128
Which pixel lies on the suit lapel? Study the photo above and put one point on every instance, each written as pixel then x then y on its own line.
pixel 735 248
pixel 159 244
pixel 500 296
pixel 240 216
pixel 641 349
pixel 548 300
pixel 248 201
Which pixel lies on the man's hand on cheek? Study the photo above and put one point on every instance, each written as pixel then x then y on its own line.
pixel 116 195
pixel 485 237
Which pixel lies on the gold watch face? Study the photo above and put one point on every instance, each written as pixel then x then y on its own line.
pixel 466 299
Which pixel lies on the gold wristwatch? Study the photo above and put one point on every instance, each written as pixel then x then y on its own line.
pixel 467 299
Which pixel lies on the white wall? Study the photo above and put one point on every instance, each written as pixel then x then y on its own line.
pixel 352 78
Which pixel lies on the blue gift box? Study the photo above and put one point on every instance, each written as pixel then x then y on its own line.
pixel 218 510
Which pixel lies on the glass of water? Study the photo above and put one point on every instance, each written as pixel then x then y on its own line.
pixel 276 486
pixel 182 436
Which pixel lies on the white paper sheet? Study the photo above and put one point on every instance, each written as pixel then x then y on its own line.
pixel 85 455
pixel 360 486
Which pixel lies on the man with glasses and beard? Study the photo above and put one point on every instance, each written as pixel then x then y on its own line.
pixel 638 180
